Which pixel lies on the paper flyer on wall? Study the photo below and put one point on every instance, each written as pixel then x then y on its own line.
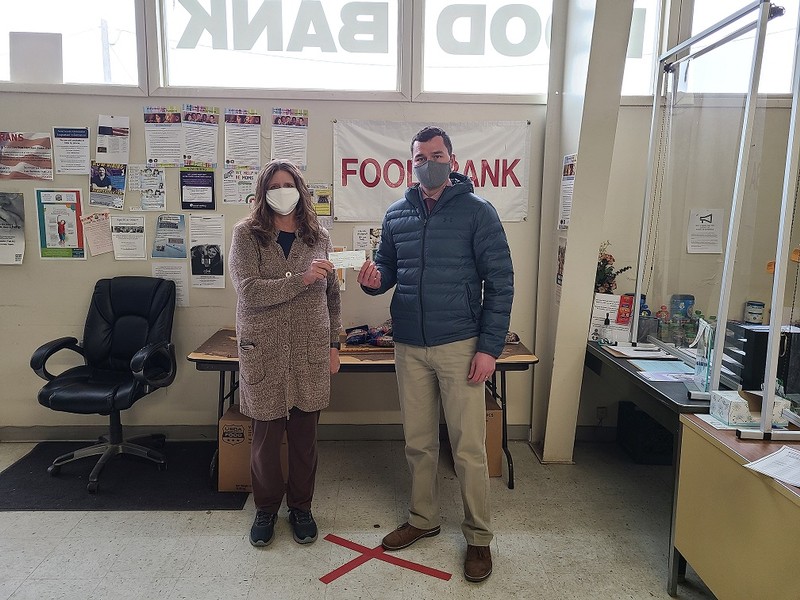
pixel 705 231
pixel 113 139
pixel 71 150
pixel 321 198
pixel 12 228
pixel 239 185
pixel 290 135
pixel 178 273
pixel 567 185
pixel 26 155
pixel 59 224
pixel 367 238
pixel 97 229
pixel 163 136
pixel 340 273
pixel 561 257
pixel 242 138
pixel 201 136
pixel 150 183
pixel 606 305
pixel 197 189
pixel 128 237
pixel 107 185
pixel 207 240
pixel 170 237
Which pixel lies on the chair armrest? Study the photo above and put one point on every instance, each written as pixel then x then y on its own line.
pixel 45 351
pixel 155 365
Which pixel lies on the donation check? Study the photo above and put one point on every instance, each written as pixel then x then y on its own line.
pixel 343 260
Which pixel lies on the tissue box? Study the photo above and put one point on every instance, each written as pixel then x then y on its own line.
pixel 744 408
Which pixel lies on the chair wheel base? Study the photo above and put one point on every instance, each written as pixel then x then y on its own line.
pixel 92 487
pixel 162 466
pixel 53 470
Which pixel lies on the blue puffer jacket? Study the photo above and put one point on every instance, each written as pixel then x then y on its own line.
pixel 452 269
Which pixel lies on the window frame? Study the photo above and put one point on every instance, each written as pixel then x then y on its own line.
pixel 157 53
pixel 140 90
pixel 417 95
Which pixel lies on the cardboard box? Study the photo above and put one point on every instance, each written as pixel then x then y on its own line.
pixel 235 442
pixel 494 436
pixel 744 408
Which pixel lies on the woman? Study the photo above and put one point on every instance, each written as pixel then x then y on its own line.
pixel 287 325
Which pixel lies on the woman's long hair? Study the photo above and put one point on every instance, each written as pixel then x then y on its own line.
pixel 262 217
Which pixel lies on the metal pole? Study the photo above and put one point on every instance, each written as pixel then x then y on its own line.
pixel 738 197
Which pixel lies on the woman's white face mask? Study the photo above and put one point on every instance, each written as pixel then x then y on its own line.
pixel 283 200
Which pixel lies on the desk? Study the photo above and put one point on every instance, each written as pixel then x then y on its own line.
pixel 665 402
pixel 220 353
pixel 737 528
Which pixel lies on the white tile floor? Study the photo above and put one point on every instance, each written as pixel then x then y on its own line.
pixel 594 530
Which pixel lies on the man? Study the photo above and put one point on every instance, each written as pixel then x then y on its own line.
pixel 101 180
pixel 446 251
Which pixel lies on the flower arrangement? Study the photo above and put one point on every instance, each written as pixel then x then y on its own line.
pixel 605 281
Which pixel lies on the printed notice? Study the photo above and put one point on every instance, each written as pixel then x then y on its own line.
pixel 567 185
pixel 12 228
pixel 113 139
pixel 71 150
pixel 705 231
pixel 783 465
pixel 26 155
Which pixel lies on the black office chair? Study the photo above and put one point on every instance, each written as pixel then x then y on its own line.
pixel 127 352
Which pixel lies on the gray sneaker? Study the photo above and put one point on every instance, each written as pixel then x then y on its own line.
pixel 304 528
pixel 263 530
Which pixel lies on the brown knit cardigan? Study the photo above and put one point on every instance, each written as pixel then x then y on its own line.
pixel 283 327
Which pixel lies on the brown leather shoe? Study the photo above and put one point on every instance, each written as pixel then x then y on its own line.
pixel 478 563
pixel 405 535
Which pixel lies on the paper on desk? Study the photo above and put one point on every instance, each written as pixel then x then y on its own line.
pixel 674 377
pixel 350 258
pixel 715 422
pixel 662 366
pixel 636 352
pixel 783 465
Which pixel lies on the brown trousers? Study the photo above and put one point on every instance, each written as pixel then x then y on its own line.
pixel 265 461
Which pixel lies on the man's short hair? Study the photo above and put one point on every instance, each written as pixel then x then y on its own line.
pixel 426 134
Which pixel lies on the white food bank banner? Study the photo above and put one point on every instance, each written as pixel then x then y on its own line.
pixel 373 168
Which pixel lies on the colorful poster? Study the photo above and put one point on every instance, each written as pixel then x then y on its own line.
pixel 163 136
pixel 321 194
pixel 12 228
pixel 60 226
pixel 26 155
pixel 107 185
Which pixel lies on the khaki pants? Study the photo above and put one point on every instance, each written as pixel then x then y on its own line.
pixel 427 378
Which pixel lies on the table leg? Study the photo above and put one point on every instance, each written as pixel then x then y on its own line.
pixel 500 394
pixel 677 563
pixel 221 402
